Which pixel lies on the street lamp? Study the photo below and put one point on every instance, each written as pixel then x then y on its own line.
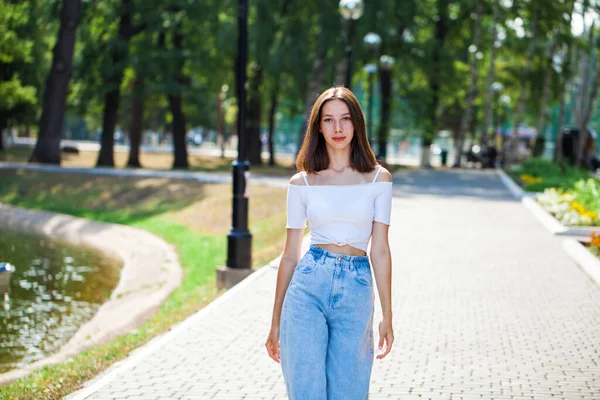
pixel 239 240
pixel 372 42
pixel 386 64
pixel 351 10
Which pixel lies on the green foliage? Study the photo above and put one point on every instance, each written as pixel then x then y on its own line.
pixel 283 37
pixel 16 51
pixel 587 193
pixel 550 174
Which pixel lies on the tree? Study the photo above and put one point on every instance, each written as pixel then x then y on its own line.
pixel 491 76
pixel 466 118
pixel 137 118
pixel 17 95
pixel 47 148
pixel 119 50
pixel 441 28
pixel 512 146
pixel 179 122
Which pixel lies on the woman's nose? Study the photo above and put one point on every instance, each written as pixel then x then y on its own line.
pixel 338 126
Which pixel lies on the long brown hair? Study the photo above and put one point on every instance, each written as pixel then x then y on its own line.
pixel 313 156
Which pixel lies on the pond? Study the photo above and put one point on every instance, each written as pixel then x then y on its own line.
pixel 56 288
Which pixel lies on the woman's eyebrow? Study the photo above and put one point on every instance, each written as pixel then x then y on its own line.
pixel 330 115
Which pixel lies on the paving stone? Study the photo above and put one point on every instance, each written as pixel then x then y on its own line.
pixel 486 306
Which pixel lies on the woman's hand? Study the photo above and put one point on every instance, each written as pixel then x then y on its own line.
pixel 272 344
pixel 386 334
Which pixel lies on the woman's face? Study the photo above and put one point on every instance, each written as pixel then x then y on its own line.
pixel 336 124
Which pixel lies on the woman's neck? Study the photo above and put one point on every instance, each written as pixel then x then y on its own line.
pixel 339 159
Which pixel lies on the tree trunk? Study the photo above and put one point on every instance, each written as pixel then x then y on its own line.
pixel 566 76
pixel 137 118
pixel 465 121
pixel 179 145
pixel 490 81
pixel 47 148
pixel 558 154
pixel 441 31
pixel 179 123
pixel 119 52
pixel 385 77
pixel 514 139
pixel 544 100
pixel 272 111
pixel 220 124
pixel 583 132
pixel 583 117
pixel 2 128
pixel 253 116
pixel 109 120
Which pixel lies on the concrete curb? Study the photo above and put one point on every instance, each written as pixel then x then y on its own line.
pixel 582 257
pixel 512 187
pixel 549 222
pixel 140 354
pixel 150 272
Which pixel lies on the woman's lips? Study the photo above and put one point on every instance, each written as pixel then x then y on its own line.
pixel 339 139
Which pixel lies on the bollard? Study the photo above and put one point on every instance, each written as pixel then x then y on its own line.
pixel 6 271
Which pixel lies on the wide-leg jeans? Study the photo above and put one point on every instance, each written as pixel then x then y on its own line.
pixel 326 327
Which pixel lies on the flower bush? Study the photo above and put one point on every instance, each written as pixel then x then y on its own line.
pixel 568 207
pixel 594 245
pixel 530 179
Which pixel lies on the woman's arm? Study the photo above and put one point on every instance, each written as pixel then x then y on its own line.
pixel 296 223
pixel 381 259
pixel 289 261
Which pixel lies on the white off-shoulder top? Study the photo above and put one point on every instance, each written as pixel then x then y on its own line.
pixel 339 214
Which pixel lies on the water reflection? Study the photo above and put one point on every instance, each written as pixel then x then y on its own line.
pixel 55 288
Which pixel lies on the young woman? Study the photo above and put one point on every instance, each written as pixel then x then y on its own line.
pixel 321 330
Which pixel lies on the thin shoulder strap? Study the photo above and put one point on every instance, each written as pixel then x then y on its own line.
pixel 377 174
pixel 304 176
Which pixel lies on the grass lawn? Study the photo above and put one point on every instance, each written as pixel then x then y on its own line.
pixel 195 217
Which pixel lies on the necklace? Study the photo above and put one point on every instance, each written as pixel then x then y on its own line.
pixel 340 169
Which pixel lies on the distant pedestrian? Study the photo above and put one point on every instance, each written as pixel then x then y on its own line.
pixel 322 325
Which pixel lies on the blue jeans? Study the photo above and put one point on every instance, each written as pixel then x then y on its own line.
pixel 326 327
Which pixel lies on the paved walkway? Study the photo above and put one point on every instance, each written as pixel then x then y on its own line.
pixel 206 177
pixel 486 306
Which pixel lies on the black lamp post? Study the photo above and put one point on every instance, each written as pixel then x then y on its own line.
pixel 372 42
pixel 239 240
pixel 351 10
pixel 386 64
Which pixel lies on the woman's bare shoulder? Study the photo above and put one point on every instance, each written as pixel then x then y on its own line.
pixel 297 180
pixel 384 176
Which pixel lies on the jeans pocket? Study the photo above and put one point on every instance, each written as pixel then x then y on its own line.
pixel 363 276
pixel 307 264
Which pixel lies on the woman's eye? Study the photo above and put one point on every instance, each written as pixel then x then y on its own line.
pixel 346 118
